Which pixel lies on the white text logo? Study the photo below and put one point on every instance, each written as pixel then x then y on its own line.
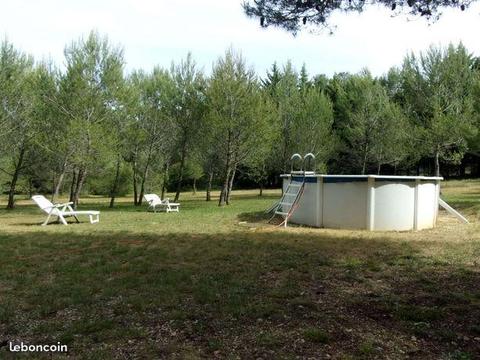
pixel 37 348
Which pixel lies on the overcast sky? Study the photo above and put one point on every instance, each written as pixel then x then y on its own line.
pixel 158 32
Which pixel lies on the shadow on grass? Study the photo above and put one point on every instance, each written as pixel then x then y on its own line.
pixel 256 196
pixel 245 294
pixel 255 217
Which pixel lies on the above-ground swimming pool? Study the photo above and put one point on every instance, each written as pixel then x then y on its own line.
pixel 367 201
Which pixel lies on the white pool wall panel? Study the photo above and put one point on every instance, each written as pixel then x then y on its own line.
pixel 427 213
pixel 394 205
pixel 345 205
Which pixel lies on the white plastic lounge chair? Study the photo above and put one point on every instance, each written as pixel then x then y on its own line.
pixel 61 211
pixel 155 202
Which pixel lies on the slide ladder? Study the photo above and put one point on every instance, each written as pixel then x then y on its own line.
pixel 294 191
pixel 452 211
pixel 289 201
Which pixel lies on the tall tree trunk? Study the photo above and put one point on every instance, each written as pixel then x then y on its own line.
pixel 13 183
pixel 209 186
pixel 165 180
pixel 261 189
pixel 379 167
pixel 72 185
pixel 144 177
pixel 365 154
pixel 142 192
pixel 181 170
pixel 230 184
pixel 113 192
pixel 223 193
pixel 59 184
pixel 82 174
pixel 135 185
pixel 194 186
pixel 437 163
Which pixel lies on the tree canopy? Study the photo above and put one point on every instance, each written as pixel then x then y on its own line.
pixel 292 15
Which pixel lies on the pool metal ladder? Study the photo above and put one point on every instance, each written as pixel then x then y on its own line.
pixel 294 191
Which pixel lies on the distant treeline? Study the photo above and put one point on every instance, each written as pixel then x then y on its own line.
pixel 91 128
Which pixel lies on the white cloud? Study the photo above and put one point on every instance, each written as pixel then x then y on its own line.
pixel 159 31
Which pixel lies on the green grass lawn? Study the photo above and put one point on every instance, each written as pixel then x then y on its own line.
pixel 222 283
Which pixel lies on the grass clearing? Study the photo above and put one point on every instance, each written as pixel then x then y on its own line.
pixel 221 283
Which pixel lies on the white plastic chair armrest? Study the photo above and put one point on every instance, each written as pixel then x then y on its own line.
pixel 66 204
